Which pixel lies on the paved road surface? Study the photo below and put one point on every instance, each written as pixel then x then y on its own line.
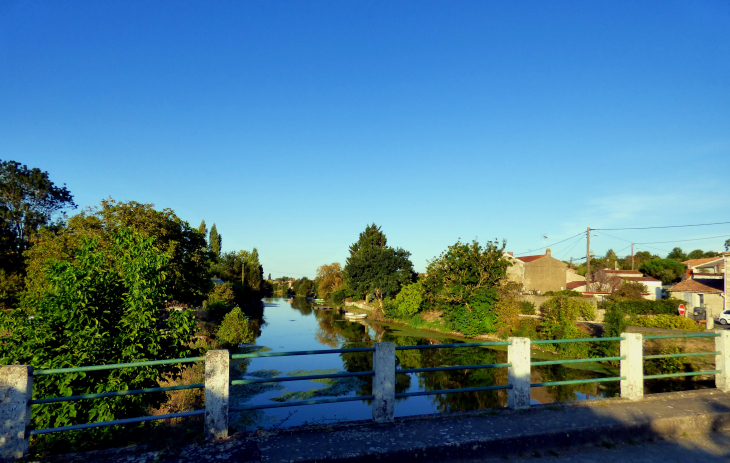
pixel 712 448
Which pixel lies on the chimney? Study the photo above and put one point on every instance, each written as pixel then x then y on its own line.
pixel 689 274
pixel 547 253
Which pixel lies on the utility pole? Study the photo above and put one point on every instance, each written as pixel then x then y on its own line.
pixel 632 256
pixel 588 258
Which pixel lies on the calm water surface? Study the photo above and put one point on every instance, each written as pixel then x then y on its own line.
pixel 297 325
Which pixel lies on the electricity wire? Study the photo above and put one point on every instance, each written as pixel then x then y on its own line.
pixel 667 226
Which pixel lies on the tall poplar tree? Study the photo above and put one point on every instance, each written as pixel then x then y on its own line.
pixel 215 242
pixel 202 229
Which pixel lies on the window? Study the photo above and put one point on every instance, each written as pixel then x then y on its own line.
pixel 702 299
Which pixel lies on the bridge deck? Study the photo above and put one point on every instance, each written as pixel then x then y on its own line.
pixel 477 435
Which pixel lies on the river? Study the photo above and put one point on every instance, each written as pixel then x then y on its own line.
pixel 297 325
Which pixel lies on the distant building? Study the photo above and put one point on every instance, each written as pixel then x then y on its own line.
pixel 708 265
pixel 700 292
pixel 538 273
pixel 608 280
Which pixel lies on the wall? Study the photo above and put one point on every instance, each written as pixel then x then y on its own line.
pixel 571 275
pixel 516 272
pixel 713 302
pixel 545 274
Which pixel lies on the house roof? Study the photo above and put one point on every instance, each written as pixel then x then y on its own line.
pixel 641 279
pixel 696 286
pixel 575 284
pixel 706 260
pixel 632 272
pixel 530 258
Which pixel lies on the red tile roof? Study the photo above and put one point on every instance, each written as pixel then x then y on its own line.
pixel 695 286
pixel 530 258
pixel 575 284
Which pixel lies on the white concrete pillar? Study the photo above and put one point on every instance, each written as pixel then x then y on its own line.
pixel 722 361
pixel 518 375
pixel 632 367
pixel 217 364
pixel 384 382
pixel 710 320
pixel 16 391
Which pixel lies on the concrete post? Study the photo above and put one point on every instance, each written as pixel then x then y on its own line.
pixel 216 394
pixel 16 391
pixel 632 367
pixel 722 361
pixel 710 321
pixel 518 375
pixel 384 382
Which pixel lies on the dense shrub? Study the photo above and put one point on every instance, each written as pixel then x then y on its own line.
pixel 527 308
pixel 235 329
pixel 669 322
pixel 629 291
pixel 666 365
pixel 338 297
pixel 560 314
pixel 644 306
pixel 563 292
pixel 408 301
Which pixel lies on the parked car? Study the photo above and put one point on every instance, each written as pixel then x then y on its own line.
pixel 724 318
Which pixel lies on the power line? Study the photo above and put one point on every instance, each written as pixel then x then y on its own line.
pixel 579 240
pixel 541 247
pixel 682 241
pixel 667 226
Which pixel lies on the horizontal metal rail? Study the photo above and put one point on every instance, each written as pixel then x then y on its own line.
pixel 559 362
pixel 687 335
pixel 302 402
pixel 452 391
pixel 115 366
pixel 458 367
pixel 683 354
pixel 241 382
pixel 302 352
pixel 578 381
pixel 688 373
pixel 76 427
pixel 100 395
pixel 462 344
pixel 560 341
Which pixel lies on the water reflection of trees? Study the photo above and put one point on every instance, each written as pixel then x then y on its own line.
pixel 336 332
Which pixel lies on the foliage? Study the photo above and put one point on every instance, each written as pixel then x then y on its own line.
pixel 244 272
pixel 338 297
pixel 408 301
pixel 527 308
pixel 644 306
pixel 29 201
pixel 187 269
pixel 215 243
pixel 666 365
pixel 667 270
pixel 11 285
pixel 677 254
pixel 559 316
pixel 727 245
pixel 700 254
pixel 303 286
pixel 669 322
pixel 629 291
pixel 220 301
pixel 329 278
pixel 374 267
pixel 563 292
pixel 101 304
pixel 235 329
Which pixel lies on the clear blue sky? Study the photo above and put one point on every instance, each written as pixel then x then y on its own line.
pixel 292 125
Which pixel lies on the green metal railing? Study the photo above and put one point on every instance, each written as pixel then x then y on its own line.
pixel 114 366
pixel 357 374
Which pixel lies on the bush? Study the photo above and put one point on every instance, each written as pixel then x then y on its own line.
pixel 666 365
pixel 563 292
pixel 629 291
pixel 644 306
pixel 408 301
pixel 560 314
pixel 478 317
pixel 527 308
pixel 338 297
pixel 669 322
pixel 235 329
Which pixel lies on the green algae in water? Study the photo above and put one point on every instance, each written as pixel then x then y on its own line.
pixel 265 374
pixel 334 386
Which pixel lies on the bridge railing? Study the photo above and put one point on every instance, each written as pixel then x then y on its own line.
pixel 16 382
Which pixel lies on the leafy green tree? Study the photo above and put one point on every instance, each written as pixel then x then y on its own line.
pixel 203 230
pixel 29 201
pixel 409 299
pixel 463 282
pixel 189 265
pixel 102 303
pixel 667 270
pixel 235 329
pixel 629 291
pixel 329 279
pixel 303 286
pixel 677 254
pixel 374 267
pixel 727 245
pixel 244 272
pixel 215 242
